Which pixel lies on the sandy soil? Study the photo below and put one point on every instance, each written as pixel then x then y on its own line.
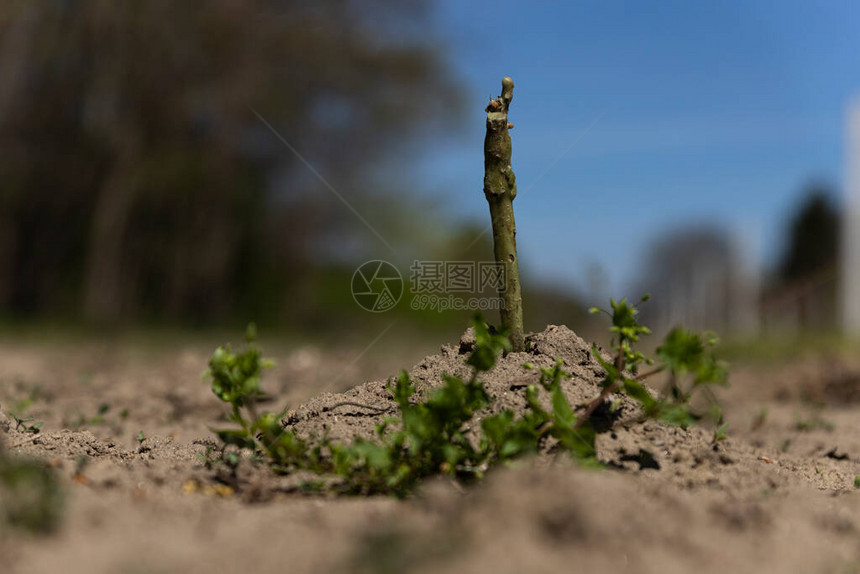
pixel 777 496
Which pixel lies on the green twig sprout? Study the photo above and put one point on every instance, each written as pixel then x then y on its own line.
pixel 500 189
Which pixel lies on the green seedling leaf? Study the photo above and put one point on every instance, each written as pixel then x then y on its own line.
pixel 711 371
pixel 251 333
pixel 612 373
pixel 677 414
pixel 720 433
pixel 682 351
pixel 579 442
pixel 488 346
pixel 21 424
pixel 637 391
pixel 402 390
pixel 561 410
pixel 233 437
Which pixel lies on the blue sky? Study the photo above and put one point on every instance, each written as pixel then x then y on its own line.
pixel 673 112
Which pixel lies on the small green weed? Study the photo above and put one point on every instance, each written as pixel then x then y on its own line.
pixel 687 357
pixel 27 424
pixel 100 415
pixel 24 423
pixel 97 419
pixel 720 433
pixel 812 423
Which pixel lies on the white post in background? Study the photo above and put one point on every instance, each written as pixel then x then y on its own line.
pixel 850 288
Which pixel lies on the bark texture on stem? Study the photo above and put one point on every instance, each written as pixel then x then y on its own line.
pixel 500 188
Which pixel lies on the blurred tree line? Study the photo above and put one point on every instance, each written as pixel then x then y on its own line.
pixel 704 277
pixel 803 291
pixel 814 232
pixel 137 182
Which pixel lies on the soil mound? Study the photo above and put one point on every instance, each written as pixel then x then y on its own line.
pixel 687 458
pixel 357 411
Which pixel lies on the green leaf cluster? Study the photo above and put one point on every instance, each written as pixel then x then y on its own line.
pixel 440 434
pixel 27 424
pixel 686 357
pixel 506 437
pixel 236 377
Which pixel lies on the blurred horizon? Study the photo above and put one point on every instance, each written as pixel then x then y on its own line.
pixel 214 163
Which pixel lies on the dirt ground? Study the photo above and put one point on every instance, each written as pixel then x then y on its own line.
pixel 777 495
